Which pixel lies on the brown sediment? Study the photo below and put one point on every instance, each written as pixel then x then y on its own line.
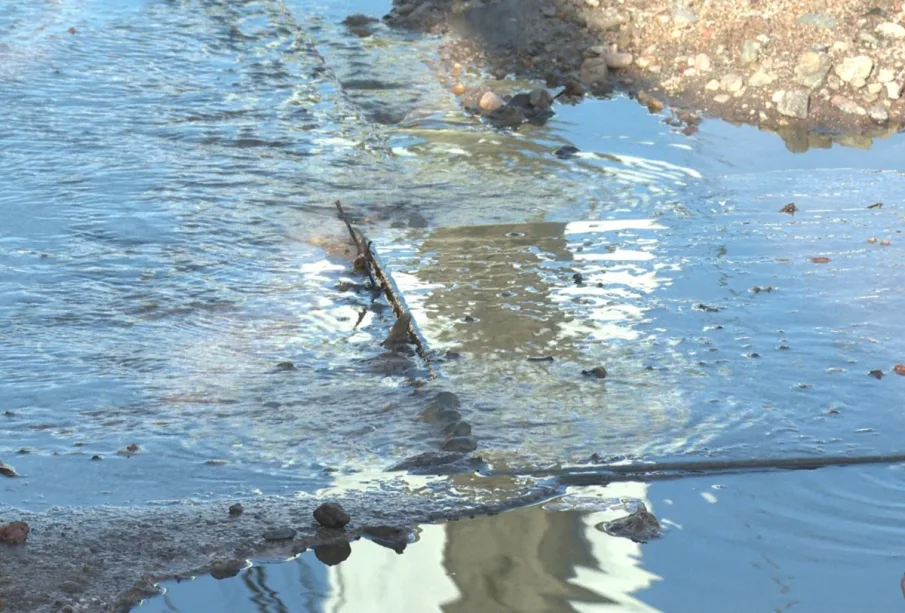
pixel 786 65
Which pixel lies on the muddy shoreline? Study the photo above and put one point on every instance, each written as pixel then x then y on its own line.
pixel 107 559
pixel 785 66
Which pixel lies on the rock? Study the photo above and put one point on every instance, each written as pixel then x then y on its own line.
pixel 811 69
pixel 890 30
pixel 893 90
pixel 572 89
pixel 611 19
pixel 461 443
pixel 790 208
pixel 548 11
pixel 878 113
pixel 816 20
pixel 566 152
pixel 876 374
pixel 732 82
pixel 712 85
pixel 885 75
pixel 399 333
pixel 702 62
pixel 358 20
pixel 280 534
pixel 874 88
pixel 858 83
pixel 15 533
pixel 847 106
pixel 224 569
pixel 617 60
pixel 854 66
pixel 436 463
pixel 761 78
pixel 129 450
pixel 7 471
pixel 749 53
pixel 490 102
pixel 236 510
pixel 458 89
pixel 722 98
pixel 641 526
pixel 391 537
pixel 286 365
pixel 540 100
pixel 592 3
pixel 97 458
pixel 682 15
pixel 456 429
pixel 442 408
pixel 654 105
pixel 594 70
pixel 334 553
pixel 331 515
pixel 794 103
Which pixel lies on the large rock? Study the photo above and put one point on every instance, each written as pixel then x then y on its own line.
pixel 890 30
pixel 854 67
pixel 794 103
pixel 811 69
pixel 490 102
pixel 594 70
pixel 331 515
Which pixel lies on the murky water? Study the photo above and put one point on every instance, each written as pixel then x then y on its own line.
pixel 167 174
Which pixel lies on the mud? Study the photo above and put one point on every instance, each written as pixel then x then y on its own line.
pixel 107 559
pixel 802 69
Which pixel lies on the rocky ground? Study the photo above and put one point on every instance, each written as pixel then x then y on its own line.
pixel 781 64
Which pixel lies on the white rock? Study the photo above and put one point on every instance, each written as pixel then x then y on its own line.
pixel 761 78
pixel 712 85
pixel 853 67
pixel 878 113
pixel 778 95
pixel 592 3
pixel 886 75
pixel 490 102
pixel 702 62
pixel 875 88
pixel 721 98
pixel 890 30
pixel 618 60
pixel 858 83
pixel 893 90
pixel 732 82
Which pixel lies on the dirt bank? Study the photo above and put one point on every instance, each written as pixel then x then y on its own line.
pixel 779 64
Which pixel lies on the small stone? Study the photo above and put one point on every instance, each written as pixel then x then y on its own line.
pixel 129 450
pixel 732 82
pixel 592 3
pixel 893 90
pixel 549 11
pixel 97 458
pixel 224 569
pixel 761 78
pixel 286 365
pixel 490 102
pixel 876 374
pixel 618 60
pixel 331 515
pixel 847 106
pixel 794 103
pixel 702 62
pixel 594 70
pixel 280 534
pixel 816 20
pixel 854 66
pixel 236 510
pixel 358 20
pixel 598 372
pixel 540 99
pixel 566 152
pixel 456 429
pixel 683 16
pixel 885 242
pixel 872 240
pixel 394 538
pixel 722 98
pixel 15 533
pixel 858 83
pixel 885 75
pixel 811 69
pixel 867 37
pixel 890 30
pixel 878 113
pixel 654 105
pixel 461 443
pixel 875 88
pixel 712 85
pixel 749 53
pixel 458 89
pixel 7 471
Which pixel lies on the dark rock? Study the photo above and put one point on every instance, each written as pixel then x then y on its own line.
pixel 331 515
pixel 572 89
pixel 707 308
pixel 598 372
pixel 442 409
pixel 437 463
pixel 360 32
pixel 641 526
pixel 578 278
pixel 15 533
pixel 540 100
pixel 876 374
pixel 461 443
pixel 506 117
pixel 333 553
pixel 129 450
pixel 7 471
pixel 224 569
pixel 391 537
pixel 97 458
pixel 790 208
pixel 280 534
pixel 358 20
pixel 287 365
pixel 566 152
pixel 542 358
pixel 458 428
pixel 236 510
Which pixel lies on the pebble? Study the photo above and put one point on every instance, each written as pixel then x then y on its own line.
pixel 853 67
pixel 618 60
pixel 858 83
pixel 224 569
pixel 893 90
pixel 875 88
pixel 458 89
pixel 236 510
pixel 793 103
pixel 459 428
pixel 816 20
pixel 129 450
pixel 540 99
pixel 811 69
pixel 280 534
pixel 566 152
pixel 490 102
pixel 732 82
pixel 683 16
pixel 702 62
pixel 594 70
pixel 598 372
pixel 878 113
pixel 712 85
pixel 847 106
pixel 461 443
pixel 761 78
pixel 885 75
pixel 331 515
pixel 890 30
pixel 722 98
pixel 750 52
pixel 592 3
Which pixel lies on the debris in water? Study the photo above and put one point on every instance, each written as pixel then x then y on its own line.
pixel 899 369
pixel 708 309
pixel 641 526
pixel 7 471
pixel 236 510
pixel 876 205
pixel 280 534
pixel 598 372
pixel 331 515
pixel 790 208
pixel 820 260
pixel 15 533
pixel 876 374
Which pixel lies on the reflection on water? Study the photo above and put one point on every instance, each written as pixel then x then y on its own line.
pixel 728 545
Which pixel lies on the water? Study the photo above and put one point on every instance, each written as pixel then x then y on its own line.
pixel 167 174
